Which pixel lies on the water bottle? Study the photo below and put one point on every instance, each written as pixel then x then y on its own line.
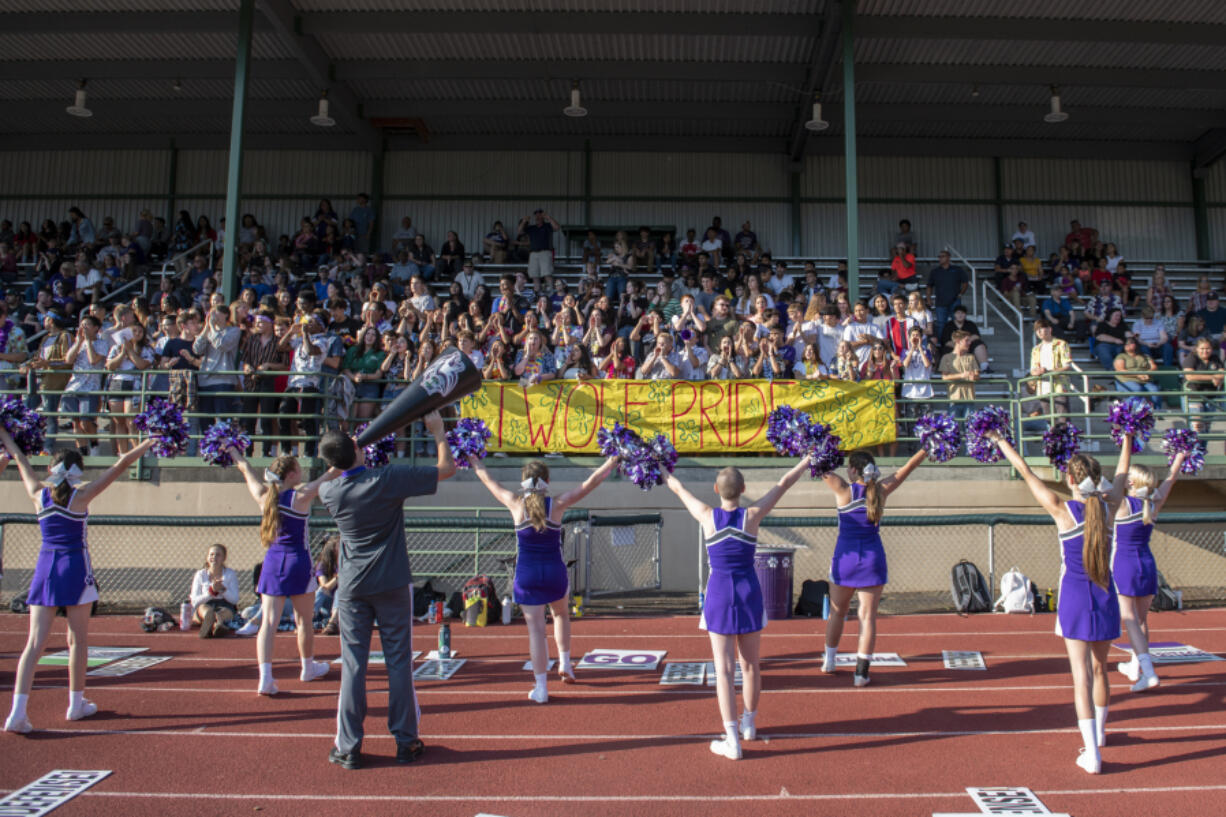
pixel 506 609
pixel 826 606
pixel 702 600
pixel 1050 605
pixel 444 641
pixel 185 616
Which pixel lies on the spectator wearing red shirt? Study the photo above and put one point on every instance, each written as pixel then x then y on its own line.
pixel 1086 236
pixel 903 265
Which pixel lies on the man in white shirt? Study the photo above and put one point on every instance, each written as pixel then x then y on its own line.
pixel 1023 234
pixel 663 363
pixel 713 246
pixel 829 334
pixel 781 280
pixel 89 279
pixel 694 355
pixel 403 237
pixel 469 279
pixel 860 331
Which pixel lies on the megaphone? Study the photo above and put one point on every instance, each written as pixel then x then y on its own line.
pixel 449 378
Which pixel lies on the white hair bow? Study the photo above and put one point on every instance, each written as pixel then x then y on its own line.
pixel 871 471
pixel 535 485
pixel 269 476
pixel 1141 493
pixel 60 474
pixel 1088 488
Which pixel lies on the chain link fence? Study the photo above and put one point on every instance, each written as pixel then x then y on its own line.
pixel 1190 549
pixel 142 561
pixel 622 554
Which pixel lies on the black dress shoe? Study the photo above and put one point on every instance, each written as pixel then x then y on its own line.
pixel 350 760
pixel 409 752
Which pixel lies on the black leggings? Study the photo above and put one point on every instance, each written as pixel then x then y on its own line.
pixel 300 400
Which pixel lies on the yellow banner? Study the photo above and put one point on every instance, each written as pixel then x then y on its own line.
pixel 700 417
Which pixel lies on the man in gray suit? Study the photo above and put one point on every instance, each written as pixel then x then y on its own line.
pixel 375 583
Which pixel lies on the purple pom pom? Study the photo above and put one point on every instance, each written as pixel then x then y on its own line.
pixel 643 462
pixel 825 455
pixel 1133 416
pixel 467 439
pixel 378 453
pixel 979 424
pixel 163 421
pixel 218 439
pixel 1060 443
pixel 940 436
pixel 1184 441
pixel 27 427
pixel 793 433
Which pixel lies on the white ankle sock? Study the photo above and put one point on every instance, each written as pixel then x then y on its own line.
pixel 730 733
pixel 832 653
pixel 76 699
pixel 19 705
pixel 747 719
pixel 1146 663
pixel 862 657
pixel 265 673
pixel 308 664
pixel 564 660
pixel 1086 725
pixel 1100 723
pixel 542 679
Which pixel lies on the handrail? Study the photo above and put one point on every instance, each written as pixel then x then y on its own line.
pixel 981 317
pixel 170 261
pixel 1020 326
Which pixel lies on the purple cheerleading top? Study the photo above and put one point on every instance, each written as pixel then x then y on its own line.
pixel 733 604
pixel 1132 563
pixel 1087 611
pixel 287 569
pixel 63 575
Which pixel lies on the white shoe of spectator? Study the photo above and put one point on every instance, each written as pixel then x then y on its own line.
pixel 248 629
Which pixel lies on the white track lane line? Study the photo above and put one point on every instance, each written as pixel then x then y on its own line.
pixel 203 731
pixel 250 797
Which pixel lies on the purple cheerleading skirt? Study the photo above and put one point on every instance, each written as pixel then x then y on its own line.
pixel 286 572
pixel 62 578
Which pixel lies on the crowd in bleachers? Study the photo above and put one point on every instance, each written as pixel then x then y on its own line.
pixel 323 325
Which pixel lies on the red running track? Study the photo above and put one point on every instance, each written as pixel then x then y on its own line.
pixel 190 736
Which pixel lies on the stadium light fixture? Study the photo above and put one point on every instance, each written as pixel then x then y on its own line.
pixel 321 118
pixel 575 108
pixel 1055 114
pixel 178 86
pixel 77 108
pixel 974 90
pixel 816 123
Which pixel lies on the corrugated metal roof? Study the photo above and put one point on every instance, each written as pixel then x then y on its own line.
pixel 695 6
pixel 886 93
pixel 1012 52
pixel 160 88
pixel 540 47
pixel 1191 11
pixel 1038 129
pixel 595 126
pixel 84 46
pixel 558 89
pixel 10 6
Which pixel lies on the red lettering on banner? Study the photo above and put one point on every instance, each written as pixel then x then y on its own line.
pixel 736 402
pixel 628 402
pixel 533 434
pixel 566 419
pixel 702 410
pixel 693 399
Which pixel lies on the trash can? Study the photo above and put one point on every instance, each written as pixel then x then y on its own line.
pixel 774 568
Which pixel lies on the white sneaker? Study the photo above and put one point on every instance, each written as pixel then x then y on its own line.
pixel 268 689
pixel 539 695
pixel 318 669
pixel 1131 669
pixel 248 629
pixel 76 713
pixel 748 731
pixel 1092 763
pixel 1145 682
pixel 21 725
pixel 828 665
pixel 860 680
pixel 724 748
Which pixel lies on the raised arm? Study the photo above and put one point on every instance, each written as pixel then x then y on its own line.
pixel 1164 490
pixel 595 478
pixel 446 465
pixel 505 496
pixel 305 494
pixel 697 508
pixel 255 485
pixel 767 502
pixel 97 486
pixel 1119 483
pixel 28 478
pixel 891 483
pixel 1043 495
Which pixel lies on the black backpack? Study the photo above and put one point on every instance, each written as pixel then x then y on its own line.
pixel 812 598
pixel 970 589
pixel 1165 598
pixel 1040 600
pixel 423 597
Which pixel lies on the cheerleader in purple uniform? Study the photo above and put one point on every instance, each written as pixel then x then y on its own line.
pixel 733 612
pixel 62 576
pixel 1133 566
pixel 859 565
pixel 287 572
pixel 540 571
pixel 1088 615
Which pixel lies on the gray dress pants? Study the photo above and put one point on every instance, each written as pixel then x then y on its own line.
pixel 356 617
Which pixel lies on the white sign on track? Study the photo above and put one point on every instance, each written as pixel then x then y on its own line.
pixel 622 659
pixel 736 681
pixel 437 670
pixel 963 659
pixel 49 792
pixel 679 673
pixel 97 656
pixel 127 666
pixel 879 659
pixel 1007 800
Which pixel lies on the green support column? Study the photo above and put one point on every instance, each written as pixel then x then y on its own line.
pixel 851 194
pixel 1200 213
pixel 172 183
pixel 794 191
pixel 376 193
pixel 234 171
pixel 587 184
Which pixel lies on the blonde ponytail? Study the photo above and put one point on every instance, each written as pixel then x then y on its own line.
pixel 534 500
pixel 270 525
pixel 1142 477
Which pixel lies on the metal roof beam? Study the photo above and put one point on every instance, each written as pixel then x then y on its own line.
pixel 1079 76
pixel 821 64
pixel 572 69
pixel 553 22
pixel 1209 148
pixel 121 22
pixel 282 16
pixel 913 27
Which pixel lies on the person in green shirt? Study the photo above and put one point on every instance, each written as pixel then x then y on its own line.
pixel 361 365
pixel 1138 365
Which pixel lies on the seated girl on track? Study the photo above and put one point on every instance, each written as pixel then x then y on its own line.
pixel 214 595
pixel 63 576
pixel 540 572
pixel 287 572
pixel 1088 614
pixel 859 563
pixel 733 612
pixel 1133 566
